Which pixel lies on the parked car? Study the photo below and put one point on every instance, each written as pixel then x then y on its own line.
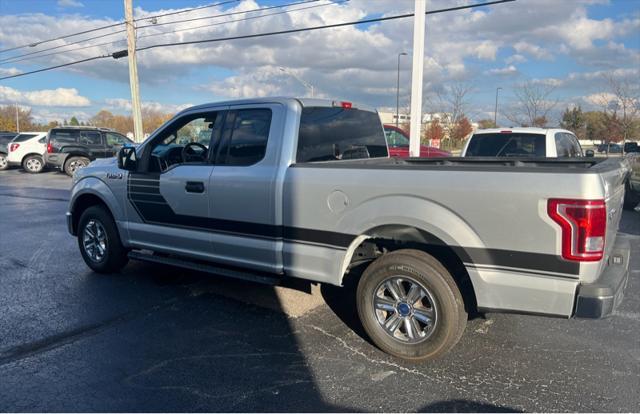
pixel 5 138
pixel 398 141
pixel 71 148
pixel 631 147
pixel 523 142
pixel 632 186
pixel 296 188
pixel 27 150
pixel 613 148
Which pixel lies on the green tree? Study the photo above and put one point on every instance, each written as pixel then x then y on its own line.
pixel 574 120
pixel 74 121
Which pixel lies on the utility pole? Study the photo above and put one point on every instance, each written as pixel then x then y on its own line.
pixel 417 73
pixel 398 90
pixel 17 119
pixel 495 111
pixel 133 72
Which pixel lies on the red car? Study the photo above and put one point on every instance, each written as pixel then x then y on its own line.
pixel 398 141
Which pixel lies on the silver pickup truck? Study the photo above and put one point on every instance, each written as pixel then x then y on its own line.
pixel 277 188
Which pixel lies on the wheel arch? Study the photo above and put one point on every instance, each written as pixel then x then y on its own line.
pixel 392 237
pixel 90 192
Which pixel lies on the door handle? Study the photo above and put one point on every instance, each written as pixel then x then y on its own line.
pixel 194 187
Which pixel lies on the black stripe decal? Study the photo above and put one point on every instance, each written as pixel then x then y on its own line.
pixel 153 208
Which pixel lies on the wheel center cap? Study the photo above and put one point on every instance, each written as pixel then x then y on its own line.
pixel 404 309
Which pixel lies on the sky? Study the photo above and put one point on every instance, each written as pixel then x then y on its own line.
pixel 570 45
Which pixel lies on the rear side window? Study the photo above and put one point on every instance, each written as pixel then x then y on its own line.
pixel 23 137
pixel 328 134
pixel 507 145
pixel 567 145
pixel 246 133
pixel 65 137
pixel 90 138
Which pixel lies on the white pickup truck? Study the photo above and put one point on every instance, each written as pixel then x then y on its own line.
pixel 277 188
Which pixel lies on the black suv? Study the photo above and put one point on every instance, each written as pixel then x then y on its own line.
pixel 70 148
pixel 5 139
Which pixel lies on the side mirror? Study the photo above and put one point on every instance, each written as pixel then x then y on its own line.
pixel 589 153
pixel 127 159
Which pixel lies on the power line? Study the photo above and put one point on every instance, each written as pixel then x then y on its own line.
pixel 34 44
pixel 123 53
pixel 18 58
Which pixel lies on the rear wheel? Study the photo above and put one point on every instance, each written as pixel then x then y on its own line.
pixel 410 306
pixel 33 164
pixel 75 163
pixel 99 241
pixel 4 164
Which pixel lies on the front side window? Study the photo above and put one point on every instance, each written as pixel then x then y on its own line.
pixel 186 140
pixel 328 134
pixel 245 133
pixel 396 139
pixel 114 139
pixel 91 138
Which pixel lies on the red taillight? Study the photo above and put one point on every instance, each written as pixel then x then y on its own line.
pixel 13 147
pixel 505 132
pixel 343 104
pixel 49 147
pixel 584 226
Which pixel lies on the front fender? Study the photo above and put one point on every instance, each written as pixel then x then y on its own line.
pixel 98 188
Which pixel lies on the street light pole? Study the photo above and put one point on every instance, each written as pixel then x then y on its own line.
pixel 495 111
pixel 299 79
pixel 133 72
pixel 398 90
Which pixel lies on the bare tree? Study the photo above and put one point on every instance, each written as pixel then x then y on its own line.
pixel 452 101
pixel 621 105
pixel 532 105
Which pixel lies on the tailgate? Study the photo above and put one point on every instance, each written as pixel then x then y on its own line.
pixel 613 179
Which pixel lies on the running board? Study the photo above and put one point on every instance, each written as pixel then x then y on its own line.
pixel 264 278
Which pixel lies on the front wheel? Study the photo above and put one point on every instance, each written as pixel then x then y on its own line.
pixel 99 241
pixel 410 306
pixel 4 164
pixel 75 163
pixel 33 164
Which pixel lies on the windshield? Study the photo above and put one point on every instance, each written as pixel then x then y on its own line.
pixel 507 145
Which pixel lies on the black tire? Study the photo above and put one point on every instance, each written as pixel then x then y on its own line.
pixel 4 163
pixel 114 255
pixel 409 267
pixel 631 198
pixel 33 164
pixel 75 163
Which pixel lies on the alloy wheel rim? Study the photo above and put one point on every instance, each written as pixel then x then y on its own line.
pixel 34 164
pixel 76 165
pixel 3 161
pixel 405 309
pixel 94 240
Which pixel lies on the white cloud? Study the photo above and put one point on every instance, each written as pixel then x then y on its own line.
pixel 69 3
pixel 515 59
pixel 120 104
pixel 510 70
pixel 9 71
pixel 45 97
pixel 533 50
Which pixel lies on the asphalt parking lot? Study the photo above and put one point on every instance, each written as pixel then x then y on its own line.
pixel 163 339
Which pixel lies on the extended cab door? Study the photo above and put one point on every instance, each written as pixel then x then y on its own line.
pixel 245 200
pixel 169 195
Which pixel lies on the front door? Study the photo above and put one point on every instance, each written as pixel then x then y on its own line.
pixel 169 196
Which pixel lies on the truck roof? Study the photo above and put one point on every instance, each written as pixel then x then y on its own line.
pixel 521 130
pixel 282 100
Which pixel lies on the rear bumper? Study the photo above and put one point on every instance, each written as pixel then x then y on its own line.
pixel 601 298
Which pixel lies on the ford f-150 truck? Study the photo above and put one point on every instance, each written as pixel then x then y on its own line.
pixel 278 188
